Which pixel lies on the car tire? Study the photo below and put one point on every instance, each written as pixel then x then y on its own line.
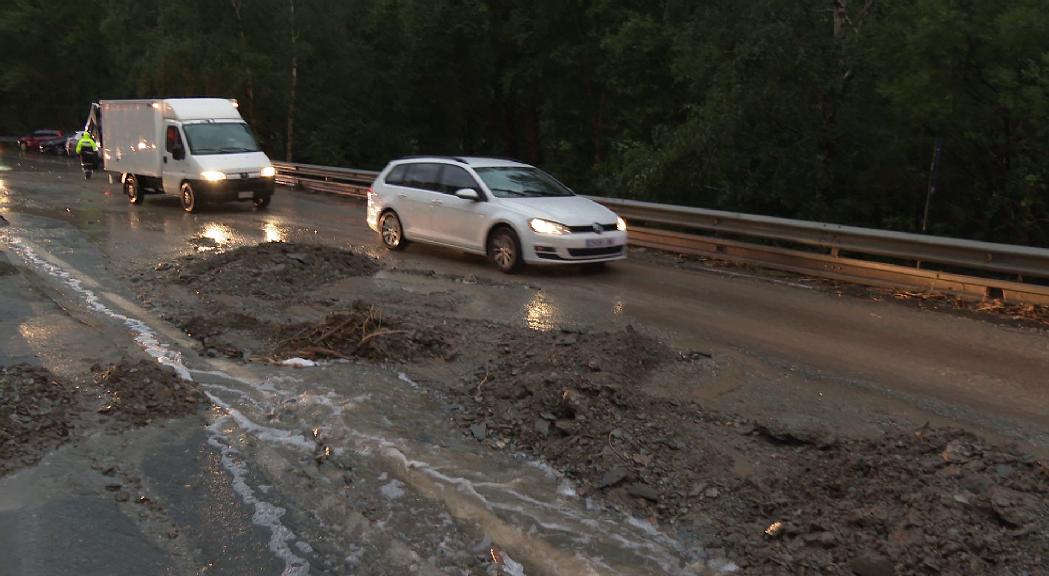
pixel 391 231
pixel 188 198
pixel 132 190
pixel 262 202
pixel 504 250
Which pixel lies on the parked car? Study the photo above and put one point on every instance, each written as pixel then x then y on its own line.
pixel 34 140
pixel 71 143
pixel 55 146
pixel 511 212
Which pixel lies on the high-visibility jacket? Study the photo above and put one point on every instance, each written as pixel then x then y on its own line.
pixel 86 140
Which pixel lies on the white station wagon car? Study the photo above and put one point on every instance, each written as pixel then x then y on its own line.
pixel 512 212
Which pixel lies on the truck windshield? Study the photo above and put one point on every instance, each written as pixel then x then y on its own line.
pixel 219 138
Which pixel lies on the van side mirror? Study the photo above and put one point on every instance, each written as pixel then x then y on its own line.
pixel 468 194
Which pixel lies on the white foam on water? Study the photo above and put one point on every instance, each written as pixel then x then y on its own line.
pixel 265 514
pixel 511 567
pixel 404 378
pixel 299 363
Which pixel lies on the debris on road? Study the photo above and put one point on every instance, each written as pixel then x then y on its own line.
pixel 140 392
pixel 359 332
pixel 37 412
pixel 273 270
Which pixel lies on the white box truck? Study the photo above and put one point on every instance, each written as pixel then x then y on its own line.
pixel 199 149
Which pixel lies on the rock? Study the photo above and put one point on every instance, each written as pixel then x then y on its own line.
pixel 645 491
pixel 872 565
pixel 593 365
pixel 1003 470
pixel 113 487
pixel 479 431
pixel 712 492
pixel 122 496
pixel 957 452
pixel 162 266
pixel 824 539
pixel 1013 508
pixel 542 427
pixel 300 258
pixel 612 478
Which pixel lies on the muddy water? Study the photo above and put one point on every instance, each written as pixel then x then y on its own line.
pixel 353 467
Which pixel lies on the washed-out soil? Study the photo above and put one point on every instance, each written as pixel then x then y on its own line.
pixel 273 270
pixel 37 414
pixel 776 497
pixel 140 392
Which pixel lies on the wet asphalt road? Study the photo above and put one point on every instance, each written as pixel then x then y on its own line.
pixel 785 341
pixel 781 347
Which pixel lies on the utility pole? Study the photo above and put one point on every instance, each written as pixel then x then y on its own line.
pixel 289 145
pixel 934 175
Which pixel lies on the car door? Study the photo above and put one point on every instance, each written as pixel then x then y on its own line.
pixel 174 166
pixel 455 221
pixel 414 199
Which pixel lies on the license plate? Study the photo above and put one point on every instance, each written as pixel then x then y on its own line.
pixel 243 195
pixel 599 243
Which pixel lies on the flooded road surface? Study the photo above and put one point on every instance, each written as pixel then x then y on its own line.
pixel 354 467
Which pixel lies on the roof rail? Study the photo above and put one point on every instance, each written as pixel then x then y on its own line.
pixel 435 156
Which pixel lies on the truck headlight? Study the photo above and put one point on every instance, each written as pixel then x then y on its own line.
pixel 620 224
pixel 268 172
pixel 213 175
pixel 540 226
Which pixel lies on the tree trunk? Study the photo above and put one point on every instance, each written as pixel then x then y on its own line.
pixel 237 4
pixel 840 18
pixel 289 143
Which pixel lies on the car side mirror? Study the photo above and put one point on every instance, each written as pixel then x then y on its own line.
pixel 468 194
pixel 178 153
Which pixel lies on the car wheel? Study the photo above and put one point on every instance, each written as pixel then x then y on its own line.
pixel 391 232
pixel 189 198
pixel 262 202
pixel 134 194
pixel 504 250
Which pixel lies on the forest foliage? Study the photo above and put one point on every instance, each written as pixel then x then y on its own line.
pixel 816 109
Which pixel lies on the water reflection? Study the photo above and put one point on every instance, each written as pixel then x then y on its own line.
pixel 275 232
pixel 218 233
pixel 540 315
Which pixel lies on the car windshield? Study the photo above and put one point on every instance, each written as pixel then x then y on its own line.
pixel 220 138
pixel 521 182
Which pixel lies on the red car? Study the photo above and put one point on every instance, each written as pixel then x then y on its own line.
pixel 34 140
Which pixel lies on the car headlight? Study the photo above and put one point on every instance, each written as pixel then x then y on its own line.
pixel 213 175
pixel 268 172
pixel 541 226
pixel 620 224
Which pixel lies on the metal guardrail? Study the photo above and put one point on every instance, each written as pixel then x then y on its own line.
pixel 846 253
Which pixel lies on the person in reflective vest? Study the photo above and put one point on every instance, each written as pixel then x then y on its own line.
pixel 86 141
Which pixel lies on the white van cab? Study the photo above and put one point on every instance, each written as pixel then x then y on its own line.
pixel 199 149
pixel 512 212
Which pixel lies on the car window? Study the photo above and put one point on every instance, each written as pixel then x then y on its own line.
pixel 172 140
pixel 424 176
pixel 454 179
pixel 521 182
pixel 396 176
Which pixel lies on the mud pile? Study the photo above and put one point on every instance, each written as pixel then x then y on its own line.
pixel 141 392
pixel 777 497
pixel 928 502
pixel 36 414
pixel 360 332
pixel 273 270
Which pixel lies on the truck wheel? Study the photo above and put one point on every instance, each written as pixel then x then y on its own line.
pixel 189 198
pixel 262 202
pixel 134 194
